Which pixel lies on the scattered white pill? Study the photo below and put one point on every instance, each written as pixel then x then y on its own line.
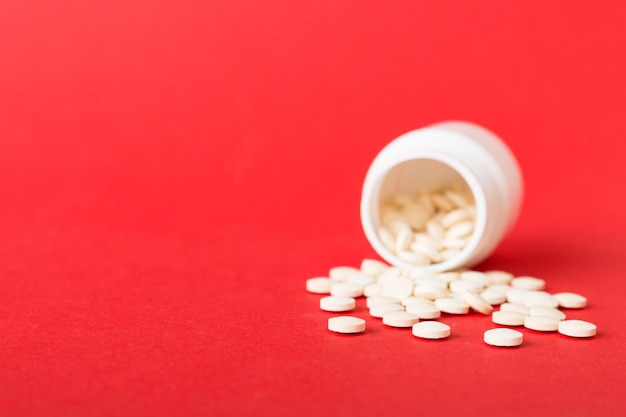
pixel 520 308
pixel 373 290
pixel 464 285
pixel 528 283
pixel 452 305
pixel 389 275
pixel 400 319
pixel 432 279
pixel 449 276
pixel 570 300
pixel 429 291
pixel 399 288
pixel 503 288
pixel 503 337
pixel 546 311
pixel 402 298
pixel 379 310
pixel 361 279
pixel 342 273
pixel 418 274
pixel 476 302
pixel 508 318
pixel 516 295
pixel 381 299
pixel 477 277
pixel 493 297
pixel 500 277
pixel 541 323
pixel 540 298
pixel 431 330
pixel 373 267
pixel 424 311
pixel 318 285
pixel 346 324
pixel 577 328
pixel 346 289
pixel 337 304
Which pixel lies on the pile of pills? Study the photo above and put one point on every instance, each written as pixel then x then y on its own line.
pixel 416 299
pixel 429 227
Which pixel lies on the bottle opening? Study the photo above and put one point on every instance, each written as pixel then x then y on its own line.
pixel 427 214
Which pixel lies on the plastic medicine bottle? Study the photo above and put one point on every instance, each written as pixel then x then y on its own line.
pixel 441 155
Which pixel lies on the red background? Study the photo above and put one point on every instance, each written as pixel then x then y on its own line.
pixel 172 172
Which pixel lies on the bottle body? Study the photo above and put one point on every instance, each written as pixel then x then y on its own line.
pixel 439 156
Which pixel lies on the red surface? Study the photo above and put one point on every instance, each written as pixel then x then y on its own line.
pixel 172 172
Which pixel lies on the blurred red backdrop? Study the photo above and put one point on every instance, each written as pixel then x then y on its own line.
pixel 172 172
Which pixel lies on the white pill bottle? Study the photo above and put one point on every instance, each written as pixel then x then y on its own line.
pixel 443 155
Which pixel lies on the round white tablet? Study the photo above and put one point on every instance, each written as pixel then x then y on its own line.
pixel 431 330
pixel 476 302
pixel 541 323
pixel 432 280
pixel 503 288
pixel 516 295
pixel 570 300
pixel 373 267
pixel 546 311
pixel 318 285
pixel 465 285
pixel 361 279
pixel 429 291
pixel 424 311
pixel 379 310
pixel 577 328
pixel 341 273
pixel 346 324
pixel 346 289
pixel 399 287
pixel 452 305
pixel 540 298
pixel 449 276
pixel 399 319
pixel 333 303
pixel 493 296
pixel 515 307
pixel 508 318
pixel 528 283
pixel 380 299
pixel 500 277
pixel 503 337
pixel 477 277
pixel 373 290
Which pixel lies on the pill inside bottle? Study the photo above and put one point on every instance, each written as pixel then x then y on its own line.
pixel 441 197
